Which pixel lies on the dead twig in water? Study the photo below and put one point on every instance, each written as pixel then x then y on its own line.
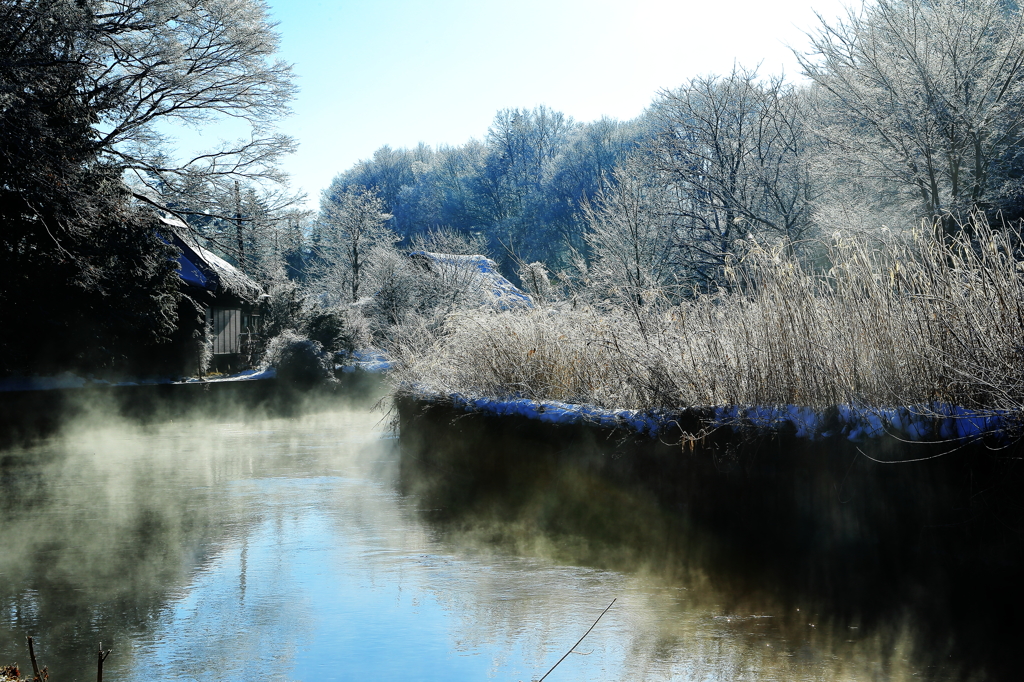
pixel 37 676
pixel 579 642
pixel 99 662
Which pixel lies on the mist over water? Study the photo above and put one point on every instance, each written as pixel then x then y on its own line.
pixel 320 546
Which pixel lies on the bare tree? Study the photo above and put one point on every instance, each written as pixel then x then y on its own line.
pixel 925 96
pixel 736 150
pixel 522 146
pixel 152 65
pixel 632 237
pixel 584 164
pixel 351 227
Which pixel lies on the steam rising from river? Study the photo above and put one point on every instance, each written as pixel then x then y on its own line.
pixel 312 547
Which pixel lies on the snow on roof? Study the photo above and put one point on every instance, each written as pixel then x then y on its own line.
pixel 201 267
pixel 503 294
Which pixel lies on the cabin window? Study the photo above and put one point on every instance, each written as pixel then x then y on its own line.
pixel 251 323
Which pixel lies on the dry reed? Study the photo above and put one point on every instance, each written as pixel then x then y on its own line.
pixel 898 322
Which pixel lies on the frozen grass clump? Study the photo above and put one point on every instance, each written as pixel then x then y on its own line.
pixel 903 321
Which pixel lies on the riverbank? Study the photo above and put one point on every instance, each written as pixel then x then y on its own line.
pixel 914 424
pixel 910 335
pixel 29 414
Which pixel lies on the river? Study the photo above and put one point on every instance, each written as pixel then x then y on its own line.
pixel 321 546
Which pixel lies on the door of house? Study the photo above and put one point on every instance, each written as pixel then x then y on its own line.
pixel 227 328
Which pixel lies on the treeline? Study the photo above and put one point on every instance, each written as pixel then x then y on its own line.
pixel 913 112
pixel 523 189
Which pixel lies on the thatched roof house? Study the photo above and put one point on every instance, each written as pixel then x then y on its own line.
pixel 478 272
pixel 229 298
pixel 203 269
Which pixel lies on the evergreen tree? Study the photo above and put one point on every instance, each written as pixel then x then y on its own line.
pixel 86 280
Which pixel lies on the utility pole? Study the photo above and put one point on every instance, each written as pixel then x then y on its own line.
pixel 238 228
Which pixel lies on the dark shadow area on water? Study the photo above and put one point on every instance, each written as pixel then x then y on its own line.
pixel 815 534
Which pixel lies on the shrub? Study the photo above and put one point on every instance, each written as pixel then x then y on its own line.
pixel 298 360
pixel 283 307
pixel 337 330
pixel 534 277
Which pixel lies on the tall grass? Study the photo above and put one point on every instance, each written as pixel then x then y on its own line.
pixel 901 321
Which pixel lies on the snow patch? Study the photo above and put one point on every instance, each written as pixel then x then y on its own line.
pixel 555 412
pixel 367 360
pixel 502 293
pixel 920 423
pixel 915 423
pixel 68 380
pixel 247 375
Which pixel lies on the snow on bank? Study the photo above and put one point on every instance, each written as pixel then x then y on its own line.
pixel 367 360
pixel 922 423
pixel 915 423
pixel 555 412
pixel 69 380
pixel 247 375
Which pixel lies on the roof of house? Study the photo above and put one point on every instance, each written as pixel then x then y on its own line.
pixel 206 270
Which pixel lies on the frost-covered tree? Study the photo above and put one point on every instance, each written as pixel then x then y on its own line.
pixel 583 165
pixel 88 92
pixel 534 277
pixel 522 146
pixel 391 174
pixel 632 236
pixel 927 97
pixel 86 281
pixel 737 151
pixel 351 226
pixel 156 64
pixel 398 290
pixel 446 193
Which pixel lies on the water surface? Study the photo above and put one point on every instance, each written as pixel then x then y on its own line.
pixel 307 548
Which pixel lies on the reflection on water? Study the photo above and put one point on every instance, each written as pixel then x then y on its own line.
pixel 821 563
pixel 320 547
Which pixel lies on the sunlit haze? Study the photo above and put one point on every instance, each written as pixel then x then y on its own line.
pixel 400 72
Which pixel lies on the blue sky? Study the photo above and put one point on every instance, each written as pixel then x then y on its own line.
pixel 398 72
